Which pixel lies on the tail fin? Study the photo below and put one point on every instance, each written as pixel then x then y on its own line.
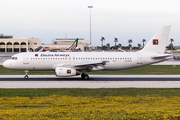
pixel 74 45
pixel 158 41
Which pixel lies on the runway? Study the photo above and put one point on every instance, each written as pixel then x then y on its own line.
pixel 95 81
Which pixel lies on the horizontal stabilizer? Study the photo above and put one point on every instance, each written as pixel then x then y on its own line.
pixel 163 57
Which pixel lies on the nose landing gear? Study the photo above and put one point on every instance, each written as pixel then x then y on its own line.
pixel 26 74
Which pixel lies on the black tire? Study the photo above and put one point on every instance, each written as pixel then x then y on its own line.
pixel 82 75
pixel 86 77
pixel 26 77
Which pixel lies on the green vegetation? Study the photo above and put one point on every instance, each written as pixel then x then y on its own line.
pixel 87 108
pixel 101 103
pixel 100 92
pixel 5 71
pixel 146 70
pixel 176 51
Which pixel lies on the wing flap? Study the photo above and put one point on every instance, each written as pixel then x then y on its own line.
pixel 90 65
pixel 94 63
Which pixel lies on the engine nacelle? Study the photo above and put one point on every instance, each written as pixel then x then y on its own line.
pixel 65 72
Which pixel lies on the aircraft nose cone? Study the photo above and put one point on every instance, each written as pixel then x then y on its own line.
pixel 5 64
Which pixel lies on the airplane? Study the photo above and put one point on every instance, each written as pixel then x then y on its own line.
pixel 176 57
pixel 65 64
pixel 72 47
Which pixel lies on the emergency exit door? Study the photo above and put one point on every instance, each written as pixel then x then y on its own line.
pixel 26 59
pixel 139 58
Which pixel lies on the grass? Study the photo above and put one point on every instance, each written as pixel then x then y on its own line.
pixel 100 92
pixel 176 51
pixel 5 71
pixel 146 70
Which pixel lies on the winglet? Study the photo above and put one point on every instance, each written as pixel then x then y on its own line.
pixel 158 41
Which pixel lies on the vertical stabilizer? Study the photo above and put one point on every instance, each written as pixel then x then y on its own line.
pixel 158 41
pixel 74 45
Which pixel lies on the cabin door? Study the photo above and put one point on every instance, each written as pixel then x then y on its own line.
pixel 139 58
pixel 26 59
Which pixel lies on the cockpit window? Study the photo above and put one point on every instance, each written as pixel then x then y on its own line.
pixel 14 58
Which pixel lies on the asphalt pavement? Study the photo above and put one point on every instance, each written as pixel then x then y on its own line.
pixel 95 81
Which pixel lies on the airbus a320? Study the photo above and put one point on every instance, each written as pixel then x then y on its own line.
pixel 67 64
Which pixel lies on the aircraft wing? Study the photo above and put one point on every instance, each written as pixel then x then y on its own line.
pixel 121 50
pixel 93 65
pixel 176 57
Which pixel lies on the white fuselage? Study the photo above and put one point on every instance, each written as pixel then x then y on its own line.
pixel 51 60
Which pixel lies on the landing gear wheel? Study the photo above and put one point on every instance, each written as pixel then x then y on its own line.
pixel 26 77
pixel 84 76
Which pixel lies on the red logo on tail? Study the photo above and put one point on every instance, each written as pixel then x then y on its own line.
pixel 155 42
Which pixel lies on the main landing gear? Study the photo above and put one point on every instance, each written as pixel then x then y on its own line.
pixel 26 74
pixel 85 76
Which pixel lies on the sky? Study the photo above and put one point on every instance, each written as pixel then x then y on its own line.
pixel 122 19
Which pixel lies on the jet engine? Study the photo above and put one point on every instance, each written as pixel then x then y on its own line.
pixel 65 72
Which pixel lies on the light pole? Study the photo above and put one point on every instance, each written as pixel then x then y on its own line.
pixel 90 24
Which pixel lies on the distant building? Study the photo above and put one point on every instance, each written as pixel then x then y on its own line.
pixel 66 42
pixel 8 44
